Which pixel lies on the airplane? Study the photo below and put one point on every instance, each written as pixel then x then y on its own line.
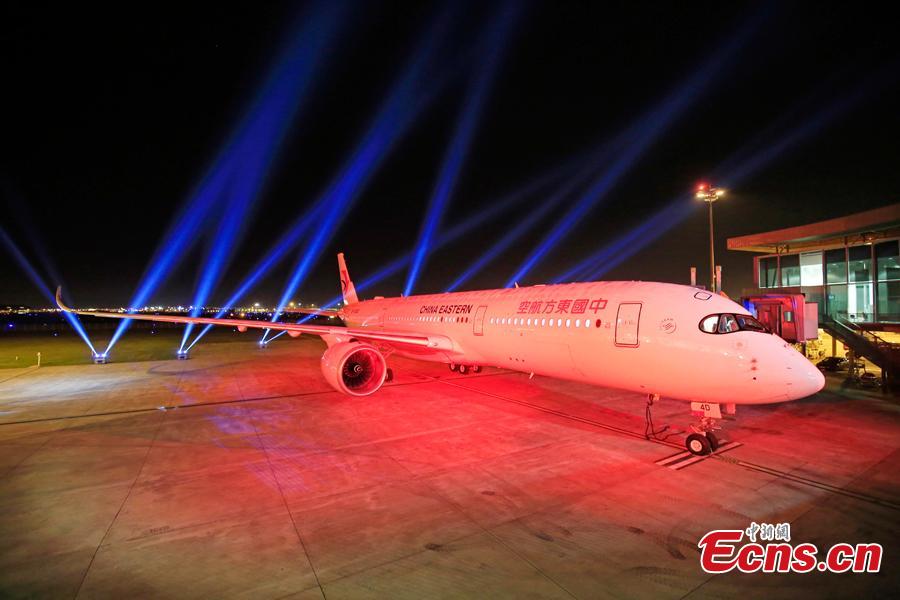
pixel 657 339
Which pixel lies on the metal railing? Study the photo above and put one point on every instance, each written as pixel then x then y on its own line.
pixel 863 342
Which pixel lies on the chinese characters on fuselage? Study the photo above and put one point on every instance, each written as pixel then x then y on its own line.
pixel 571 307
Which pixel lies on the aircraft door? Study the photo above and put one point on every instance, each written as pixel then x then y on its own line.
pixel 478 324
pixel 628 324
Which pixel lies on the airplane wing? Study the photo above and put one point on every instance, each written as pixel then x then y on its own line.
pixel 322 312
pixel 437 342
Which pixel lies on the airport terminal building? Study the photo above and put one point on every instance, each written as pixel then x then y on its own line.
pixel 833 281
pixel 849 266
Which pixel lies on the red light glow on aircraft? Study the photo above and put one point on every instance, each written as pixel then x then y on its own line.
pixel 659 339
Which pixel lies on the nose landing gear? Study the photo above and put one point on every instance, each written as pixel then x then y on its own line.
pixel 701 444
pixel 703 440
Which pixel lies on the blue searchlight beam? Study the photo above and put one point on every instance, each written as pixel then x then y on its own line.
pixel 251 153
pixel 481 217
pixel 182 234
pixel 39 282
pixel 456 153
pixel 532 218
pixel 742 164
pixel 274 257
pixel 408 98
pixel 640 135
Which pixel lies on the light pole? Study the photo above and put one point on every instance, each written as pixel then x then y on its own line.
pixel 709 195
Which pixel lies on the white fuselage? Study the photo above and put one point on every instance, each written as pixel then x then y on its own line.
pixel 638 336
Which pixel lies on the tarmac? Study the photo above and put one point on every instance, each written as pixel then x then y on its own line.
pixel 240 474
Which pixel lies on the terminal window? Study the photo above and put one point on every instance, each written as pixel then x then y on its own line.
pixel 768 272
pixel 887 254
pixel 836 266
pixel 790 270
pixel 860 263
pixel 811 268
pixel 887 257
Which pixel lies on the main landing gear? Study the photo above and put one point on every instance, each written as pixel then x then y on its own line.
pixel 463 369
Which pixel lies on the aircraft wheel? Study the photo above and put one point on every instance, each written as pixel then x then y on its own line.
pixel 476 369
pixel 453 367
pixel 713 441
pixel 389 376
pixel 697 443
pixel 463 369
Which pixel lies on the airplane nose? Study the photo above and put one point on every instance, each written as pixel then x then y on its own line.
pixel 814 380
pixel 805 378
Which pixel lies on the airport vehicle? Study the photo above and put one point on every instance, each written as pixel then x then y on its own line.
pixel 868 379
pixel 832 364
pixel 658 339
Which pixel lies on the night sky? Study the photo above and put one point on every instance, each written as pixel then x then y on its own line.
pixel 112 114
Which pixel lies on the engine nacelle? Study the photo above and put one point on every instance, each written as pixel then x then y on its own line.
pixel 354 368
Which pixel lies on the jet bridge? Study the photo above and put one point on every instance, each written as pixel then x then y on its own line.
pixel 789 315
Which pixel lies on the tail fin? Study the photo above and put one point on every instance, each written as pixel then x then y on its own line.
pixel 347 288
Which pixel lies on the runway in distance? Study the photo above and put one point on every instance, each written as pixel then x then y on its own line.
pixel 658 339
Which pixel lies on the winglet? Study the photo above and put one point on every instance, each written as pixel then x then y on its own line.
pixel 59 301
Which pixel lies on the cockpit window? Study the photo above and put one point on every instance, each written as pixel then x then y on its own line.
pixel 709 324
pixel 729 323
pixel 750 324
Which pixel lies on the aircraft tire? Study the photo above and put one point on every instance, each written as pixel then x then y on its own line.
pixel 698 444
pixel 453 367
pixel 463 369
pixel 476 369
pixel 713 441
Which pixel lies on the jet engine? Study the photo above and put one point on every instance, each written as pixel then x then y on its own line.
pixel 354 368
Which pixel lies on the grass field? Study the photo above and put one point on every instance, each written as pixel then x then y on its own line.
pixel 20 349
